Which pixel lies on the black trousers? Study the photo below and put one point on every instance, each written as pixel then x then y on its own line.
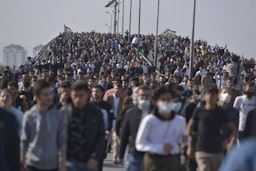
pixel 31 168
pixel 241 135
pixel 104 155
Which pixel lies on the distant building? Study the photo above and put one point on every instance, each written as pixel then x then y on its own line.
pixel 14 55
pixel 37 49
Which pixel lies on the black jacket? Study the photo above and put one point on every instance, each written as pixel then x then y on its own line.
pixel 130 127
pixel 9 142
pixel 86 132
pixel 250 126
pixel 120 120
pixel 110 114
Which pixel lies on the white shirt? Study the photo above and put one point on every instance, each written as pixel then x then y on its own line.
pixel 153 133
pixel 135 40
pixel 145 69
pixel 184 85
pixel 201 73
pixel 244 106
pixel 126 67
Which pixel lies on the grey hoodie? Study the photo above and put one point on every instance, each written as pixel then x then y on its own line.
pixel 43 136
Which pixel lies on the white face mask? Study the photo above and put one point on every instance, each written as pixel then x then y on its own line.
pixel 225 97
pixel 144 104
pixel 165 107
pixel 176 106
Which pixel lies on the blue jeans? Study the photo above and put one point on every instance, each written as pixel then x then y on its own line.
pixel 74 165
pixel 134 161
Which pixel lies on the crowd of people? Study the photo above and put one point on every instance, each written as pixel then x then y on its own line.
pixel 92 94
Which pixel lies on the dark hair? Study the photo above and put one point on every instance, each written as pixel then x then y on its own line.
pixel 118 85
pixel 39 86
pixel 80 85
pixel 162 90
pixel 136 79
pixel 143 87
pixel 191 80
pixel 26 84
pixel 98 87
pixel 13 84
pixel 51 80
pixel 68 73
pixel 250 84
pixel 235 58
pixel 129 92
pixel 90 78
pixel 211 89
pixel 6 90
pixel 230 79
pixel 126 80
pixel 117 80
pixel 65 84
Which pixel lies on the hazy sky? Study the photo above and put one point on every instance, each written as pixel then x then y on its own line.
pixel 33 22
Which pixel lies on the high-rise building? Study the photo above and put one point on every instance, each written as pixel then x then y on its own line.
pixel 14 55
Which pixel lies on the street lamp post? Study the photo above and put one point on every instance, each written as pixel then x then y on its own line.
pixel 115 20
pixel 123 20
pixel 138 52
pixel 192 49
pixel 118 11
pixel 109 28
pixel 111 18
pixel 130 20
pixel 156 37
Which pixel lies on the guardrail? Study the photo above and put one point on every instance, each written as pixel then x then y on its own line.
pixel 141 56
pixel 41 54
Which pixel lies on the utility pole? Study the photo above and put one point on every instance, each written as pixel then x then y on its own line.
pixel 111 22
pixel 115 10
pixel 130 22
pixel 156 37
pixel 115 21
pixel 118 12
pixel 192 49
pixel 123 20
pixel 138 52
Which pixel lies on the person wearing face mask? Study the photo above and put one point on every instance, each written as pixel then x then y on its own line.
pixel 176 106
pixel 132 120
pixel 244 104
pixel 233 114
pixel 209 119
pixel 161 133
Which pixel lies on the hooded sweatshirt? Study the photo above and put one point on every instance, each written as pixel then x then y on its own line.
pixel 43 136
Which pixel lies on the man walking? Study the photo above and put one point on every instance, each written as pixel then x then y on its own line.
pixel 85 128
pixel 210 119
pixel 116 102
pixel 244 104
pixel 130 127
pixel 108 116
pixel 43 133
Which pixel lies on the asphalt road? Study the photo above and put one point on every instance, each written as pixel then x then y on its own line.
pixel 110 166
